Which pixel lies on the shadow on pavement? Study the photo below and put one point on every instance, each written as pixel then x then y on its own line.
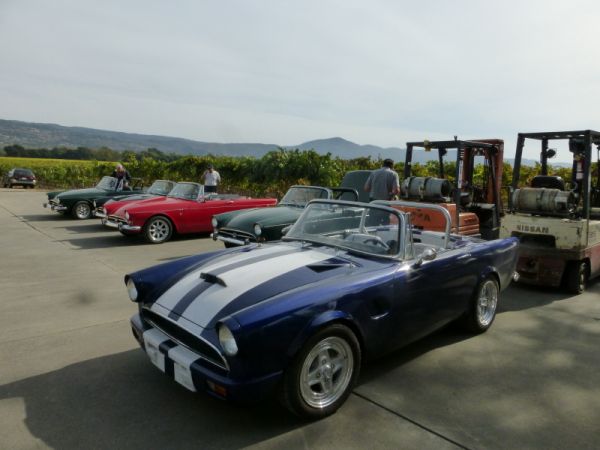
pixel 48 217
pixel 520 296
pixel 118 240
pixel 122 401
pixel 114 240
pixel 448 335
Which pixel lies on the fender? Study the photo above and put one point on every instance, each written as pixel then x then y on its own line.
pixel 320 321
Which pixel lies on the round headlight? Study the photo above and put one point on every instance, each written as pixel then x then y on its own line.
pixel 227 341
pixel 214 222
pixel 57 199
pixel 257 229
pixel 104 210
pixel 126 215
pixel 132 290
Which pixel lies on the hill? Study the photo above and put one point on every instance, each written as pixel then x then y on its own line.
pixel 45 135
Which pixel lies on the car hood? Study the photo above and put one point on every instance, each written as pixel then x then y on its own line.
pixel 154 204
pixel 81 193
pixel 131 198
pixel 127 203
pixel 266 217
pixel 232 282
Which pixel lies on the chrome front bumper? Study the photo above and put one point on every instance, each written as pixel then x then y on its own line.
pixel 125 227
pixel 217 237
pixel 120 226
pixel 55 207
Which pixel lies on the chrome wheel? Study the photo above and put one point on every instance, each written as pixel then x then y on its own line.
pixel 82 210
pixel 326 372
pixel 158 230
pixel 487 301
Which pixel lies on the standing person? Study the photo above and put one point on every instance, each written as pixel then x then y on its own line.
pixel 122 176
pixel 211 179
pixel 383 183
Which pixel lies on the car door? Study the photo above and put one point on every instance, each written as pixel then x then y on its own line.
pixel 197 214
pixel 431 294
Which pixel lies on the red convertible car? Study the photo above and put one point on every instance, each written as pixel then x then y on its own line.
pixel 185 210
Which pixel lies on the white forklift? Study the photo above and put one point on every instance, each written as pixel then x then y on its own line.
pixel 557 221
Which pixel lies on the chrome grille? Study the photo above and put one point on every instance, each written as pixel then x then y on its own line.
pixel 202 348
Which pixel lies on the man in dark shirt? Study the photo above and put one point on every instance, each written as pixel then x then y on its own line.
pixel 122 176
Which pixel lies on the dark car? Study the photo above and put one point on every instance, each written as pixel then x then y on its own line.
pixel 349 282
pixel 19 177
pixel 79 202
pixel 261 225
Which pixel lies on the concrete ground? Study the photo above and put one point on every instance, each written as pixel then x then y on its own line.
pixel 72 376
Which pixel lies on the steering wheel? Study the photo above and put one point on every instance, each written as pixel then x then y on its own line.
pixel 377 241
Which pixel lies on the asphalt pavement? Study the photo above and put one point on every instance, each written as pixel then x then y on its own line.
pixel 73 377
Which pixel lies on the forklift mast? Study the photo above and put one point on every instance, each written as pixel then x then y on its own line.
pixel 492 150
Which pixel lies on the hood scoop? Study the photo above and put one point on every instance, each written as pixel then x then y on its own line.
pixel 324 267
pixel 210 278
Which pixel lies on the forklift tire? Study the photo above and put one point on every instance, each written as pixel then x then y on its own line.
pixel 576 277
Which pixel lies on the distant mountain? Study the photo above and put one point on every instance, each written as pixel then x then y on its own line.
pixel 45 135
pixel 533 162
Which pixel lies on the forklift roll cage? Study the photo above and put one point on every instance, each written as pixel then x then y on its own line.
pixel 465 152
pixel 589 137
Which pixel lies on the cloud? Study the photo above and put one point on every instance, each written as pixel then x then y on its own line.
pixel 287 72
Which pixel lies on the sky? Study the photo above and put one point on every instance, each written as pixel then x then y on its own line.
pixel 285 72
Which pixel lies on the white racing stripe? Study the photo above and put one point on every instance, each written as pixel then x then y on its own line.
pixel 182 362
pixel 172 296
pixel 203 309
pixel 152 340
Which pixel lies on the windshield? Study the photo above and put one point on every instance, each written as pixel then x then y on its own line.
pixel 23 173
pixel 187 191
pixel 353 226
pixel 107 183
pixel 300 196
pixel 161 187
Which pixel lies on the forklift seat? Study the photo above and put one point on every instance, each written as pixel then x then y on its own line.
pixel 548 182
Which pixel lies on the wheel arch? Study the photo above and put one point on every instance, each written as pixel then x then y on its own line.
pixel 165 216
pixel 324 320
pixel 490 271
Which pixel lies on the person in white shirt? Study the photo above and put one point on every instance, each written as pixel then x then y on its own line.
pixel 211 179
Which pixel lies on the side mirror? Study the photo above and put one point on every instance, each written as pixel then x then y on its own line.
pixel 429 254
pixel 550 153
pixel 285 230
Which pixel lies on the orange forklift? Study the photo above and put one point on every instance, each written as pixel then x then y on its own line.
pixel 475 207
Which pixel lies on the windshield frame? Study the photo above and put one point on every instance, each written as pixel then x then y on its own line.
pixel 150 191
pixel 182 185
pixel 400 230
pixel 104 180
pixel 299 188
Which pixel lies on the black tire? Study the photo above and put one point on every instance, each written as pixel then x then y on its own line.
pixel 158 229
pixel 333 356
pixel 81 210
pixel 576 277
pixel 482 307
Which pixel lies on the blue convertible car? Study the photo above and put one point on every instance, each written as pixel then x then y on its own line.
pixel 350 281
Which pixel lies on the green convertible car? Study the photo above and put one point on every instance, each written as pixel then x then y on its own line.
pixel 79 202
pixel 267 224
